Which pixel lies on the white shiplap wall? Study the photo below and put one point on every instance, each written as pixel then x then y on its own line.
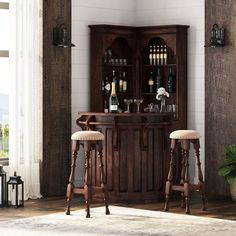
pixel 186 12
pixel 140 12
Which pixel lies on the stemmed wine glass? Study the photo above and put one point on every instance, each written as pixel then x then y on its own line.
pixel 128 102
pixel 138 102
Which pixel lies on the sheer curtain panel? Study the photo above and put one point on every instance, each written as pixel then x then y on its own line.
pixel 26 93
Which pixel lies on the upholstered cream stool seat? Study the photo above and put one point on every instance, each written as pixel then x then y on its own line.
pixel 185 134
pixel 185 138
pixel 89 140
pixel 87 135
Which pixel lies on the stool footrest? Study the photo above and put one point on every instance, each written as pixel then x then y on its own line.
pixel 192 187
pixel 94 190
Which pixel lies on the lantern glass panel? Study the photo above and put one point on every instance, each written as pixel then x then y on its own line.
pixel 15 194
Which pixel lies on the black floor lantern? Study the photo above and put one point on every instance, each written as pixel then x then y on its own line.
pixel 15 191
pixel 3 187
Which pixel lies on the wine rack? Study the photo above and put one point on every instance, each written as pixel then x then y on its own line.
pixel 118 59
pixel 127 49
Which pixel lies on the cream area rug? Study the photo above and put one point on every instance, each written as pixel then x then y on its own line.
pixel 122 221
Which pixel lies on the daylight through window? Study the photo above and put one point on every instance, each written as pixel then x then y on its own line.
pixel 4 79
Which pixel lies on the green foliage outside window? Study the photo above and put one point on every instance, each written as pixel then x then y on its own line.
pixel 4 141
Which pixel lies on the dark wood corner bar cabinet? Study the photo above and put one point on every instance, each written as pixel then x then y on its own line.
pixel 136 145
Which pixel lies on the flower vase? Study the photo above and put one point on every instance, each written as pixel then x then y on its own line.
pixel 163 105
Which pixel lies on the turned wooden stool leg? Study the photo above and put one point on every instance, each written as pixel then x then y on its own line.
pixel 103 182
pixel 200 175
pixel 70 186
pixel 185 146
pixel 182 177
pixel 87 190
pixel 169 181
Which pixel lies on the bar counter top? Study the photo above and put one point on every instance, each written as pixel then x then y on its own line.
pixel 168 114
pixel 87 120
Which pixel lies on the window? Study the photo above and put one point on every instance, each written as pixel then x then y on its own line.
pixel 4 79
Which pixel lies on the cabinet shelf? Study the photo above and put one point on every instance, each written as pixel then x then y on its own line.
pixel 118 94
pixel 111 65
pixel 153 94
pixel 150 94
pixel 162 65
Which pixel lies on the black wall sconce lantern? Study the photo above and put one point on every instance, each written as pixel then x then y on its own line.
pixel 61 37
pixel 3 187
pixel 217 37
pixel 15 191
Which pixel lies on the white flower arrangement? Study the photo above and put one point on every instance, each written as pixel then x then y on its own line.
pixel 162 94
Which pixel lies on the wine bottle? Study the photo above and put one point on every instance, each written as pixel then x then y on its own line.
pixel 124 83
pixel 120 83
pixel 150 55
pixel 103 86
pixel 107 85
pixel 105 106
pixel 154 55
pixel 161 55
pixel 109 56
pixel 158 55
pixel 113 100
pixel 171 82
pixel 105 57
pixel 151 83
pixel 158 79
pixel 165 55
pixel 114 79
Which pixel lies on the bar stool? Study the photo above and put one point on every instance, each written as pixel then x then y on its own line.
pixel 185 137
pixel 89 140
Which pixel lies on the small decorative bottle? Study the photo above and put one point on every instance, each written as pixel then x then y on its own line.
pixel 150 55
pixel 120 83
pixel 158 79
pixel 165 55
pixel 154 55
pixel 158 55
pixel 151 83
pixel 161 55
pixel 171 82
pixel 124 83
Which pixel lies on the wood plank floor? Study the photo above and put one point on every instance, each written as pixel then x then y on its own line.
pixel 222 208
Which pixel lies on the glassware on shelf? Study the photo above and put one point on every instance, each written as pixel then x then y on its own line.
pixel 109 56
pixel 152 108
pixel 138 102
pixel 169 108
pixel 173 107
pixel 128 102
pixel 174 110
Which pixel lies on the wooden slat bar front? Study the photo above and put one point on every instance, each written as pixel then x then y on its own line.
pixel 136 153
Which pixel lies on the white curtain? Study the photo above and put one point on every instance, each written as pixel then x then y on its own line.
pixel 25 116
